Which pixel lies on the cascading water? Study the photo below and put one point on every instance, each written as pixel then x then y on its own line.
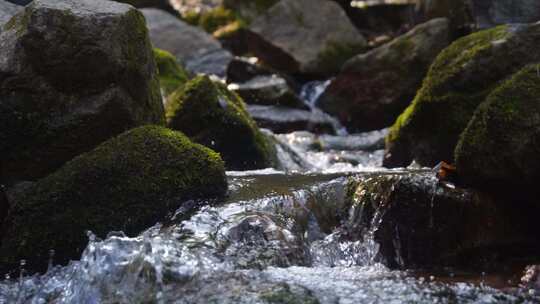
pixel 295 237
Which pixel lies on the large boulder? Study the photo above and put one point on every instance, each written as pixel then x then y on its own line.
pixel 7 10
pixel 198 50
pixel 374 88
pixel 420 222
pixel 311 41
pixel 460 79
pixel 125 184
pixel 213 116
pixel 499 148
pixel 72 75
pixel 488 13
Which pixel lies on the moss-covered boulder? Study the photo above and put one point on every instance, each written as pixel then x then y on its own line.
pixel 171 74
pixel 72 75
pixel 500 146
pixel 374 88
pixel 127 183
pixel 294 38
pixel 461 77
pixel 211 115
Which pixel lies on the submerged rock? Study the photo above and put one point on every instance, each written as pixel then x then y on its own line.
pixel 374 88
pixel 420 222
pixel 461 78
pixel 211 115
pixel 268 90
pixel 7 10
pixel 72 75
pixel 171 74
pixel 200 52
pixel 299 38
pixel 499 148
pixel 126 184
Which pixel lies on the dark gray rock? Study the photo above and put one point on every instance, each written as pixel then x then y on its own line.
pixel 286 120
pixel 72 74
pixel 198 50
pixel 268 90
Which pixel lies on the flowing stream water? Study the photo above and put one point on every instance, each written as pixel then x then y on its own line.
pixel 278 237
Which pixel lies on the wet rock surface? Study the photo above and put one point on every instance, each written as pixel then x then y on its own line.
pixel 90 66
pixel 199 51
pixel 372 89
pixel 424 223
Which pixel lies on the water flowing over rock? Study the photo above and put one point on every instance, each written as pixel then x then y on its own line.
pixel 311 41
pixel 426 223
pixel 72 75
pixel 461 78
pixel 499 147
pixel 126 183
pixel 199 51
pixel 374 88
pixel 7 10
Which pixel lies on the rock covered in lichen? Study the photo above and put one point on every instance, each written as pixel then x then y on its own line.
pixel 72 75
pixel 459 80
pixel 213 116
pixel 125 184
pixel 499 148
pixel 172 74
pixel 198 50
pixel 311 41
pixel 374 88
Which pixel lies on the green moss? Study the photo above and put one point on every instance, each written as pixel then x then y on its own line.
pixel 429 128
pixel 127 183
pixel 171 75
pixel 500 144
pixel 336 54
pixel 212 115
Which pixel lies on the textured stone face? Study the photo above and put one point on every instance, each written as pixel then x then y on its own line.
pixel 7 10
pixel 200 52
pixel 459 80
pixel 374 88
pixel 72 74
pixel 319 40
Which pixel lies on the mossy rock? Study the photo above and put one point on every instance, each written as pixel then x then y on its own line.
pixel 127 183
pixel 500 146
pixel 172 75
pixel 74 74
pixel 460 79
pixel 211 115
